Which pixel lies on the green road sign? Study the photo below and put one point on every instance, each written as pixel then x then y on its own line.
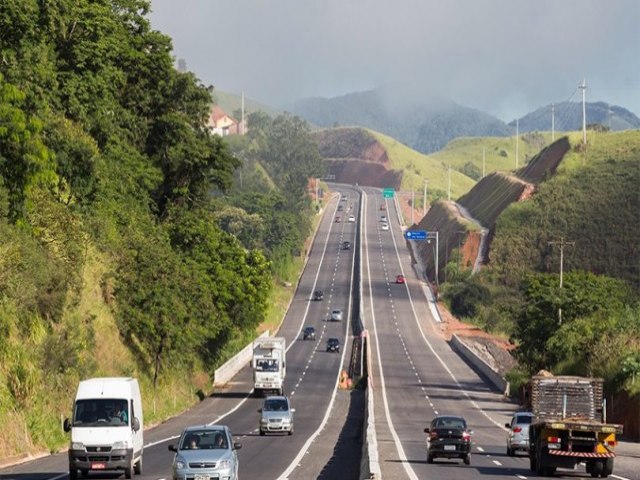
pixel 388 192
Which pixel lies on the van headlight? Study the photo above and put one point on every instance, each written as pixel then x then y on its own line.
pixel 123 445
pixel 224 464
pixel 77 446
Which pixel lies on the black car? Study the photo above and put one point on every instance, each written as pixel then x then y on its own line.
pixel 309 333
pixel 333 345
pixel 346 245
pixel 318 295
pixel 448 438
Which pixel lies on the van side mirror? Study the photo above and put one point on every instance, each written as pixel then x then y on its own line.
pixel 173 448
pixel 237 446
pixel 66 425
pixel 135 425
pixel 426 430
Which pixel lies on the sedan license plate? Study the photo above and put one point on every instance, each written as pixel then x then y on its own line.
pixel 98 466
pixel 200 477
pixel 449 447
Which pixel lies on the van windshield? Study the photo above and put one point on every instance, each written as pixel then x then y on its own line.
pixel 101 412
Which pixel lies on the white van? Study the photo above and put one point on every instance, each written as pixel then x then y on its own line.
pixel 106 428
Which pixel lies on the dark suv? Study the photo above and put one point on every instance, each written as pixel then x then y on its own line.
pixel 448 438
pixel 318 295
pixel 309 333
pixel 333 345
pixel 346 245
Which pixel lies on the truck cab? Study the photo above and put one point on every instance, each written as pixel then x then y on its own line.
pixel 269 365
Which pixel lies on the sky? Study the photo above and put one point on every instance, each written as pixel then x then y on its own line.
pixel 505 57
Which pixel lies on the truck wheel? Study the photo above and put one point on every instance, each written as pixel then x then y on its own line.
pixel 596 468
pixel 548 471
pixel 137 468
pixel 532 462
pixel 607 468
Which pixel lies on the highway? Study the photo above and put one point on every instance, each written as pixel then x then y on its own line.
pixel 415 374
pixel 311 382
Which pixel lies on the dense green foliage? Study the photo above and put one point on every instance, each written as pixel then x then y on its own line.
pixel 104 153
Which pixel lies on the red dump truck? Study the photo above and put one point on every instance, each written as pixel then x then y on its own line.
pixel 569 425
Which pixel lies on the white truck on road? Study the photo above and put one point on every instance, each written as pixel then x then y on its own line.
pixel 269 365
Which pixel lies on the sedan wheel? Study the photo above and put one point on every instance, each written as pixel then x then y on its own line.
pixel 467 460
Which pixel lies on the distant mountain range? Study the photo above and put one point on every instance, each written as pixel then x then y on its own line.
pixel 428 125
pixel 568 117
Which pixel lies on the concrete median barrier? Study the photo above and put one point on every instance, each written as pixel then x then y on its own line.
pixel 231 367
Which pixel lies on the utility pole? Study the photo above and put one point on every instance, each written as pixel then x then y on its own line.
pixel 424 198
pixel 413 203
pixel 430 236
pixel 449 188
pixel 483 161
pixel 242 116
pixel 583 87
pixel 562 244
pixel 553 123
pixel 517 134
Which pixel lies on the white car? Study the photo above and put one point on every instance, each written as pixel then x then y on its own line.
pixel 352 219
pixel 383 218
pixel 336 315
pixel 385 227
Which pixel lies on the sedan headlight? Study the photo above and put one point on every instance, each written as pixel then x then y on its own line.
pixel 77 446
pixel 123 445
pixel 180 464
pixel 224 464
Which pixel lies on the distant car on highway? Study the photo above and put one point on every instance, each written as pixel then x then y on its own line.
pixel 205 451
pixel 383 206
pixel 352 219
pixel 518 434
pixel 309 333
pixel 383 218
pixel 346 245
pixel 333 345
pixel 400 279
pixel 448 437
pixel 385 227
pixel 338 219
pixel 336 315
pixel 340 208
pixel 318 295
pixel 276 415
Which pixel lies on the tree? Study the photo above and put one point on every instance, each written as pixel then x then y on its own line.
pixel 583 294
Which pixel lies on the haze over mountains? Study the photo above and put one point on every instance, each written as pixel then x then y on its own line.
pixel 428 124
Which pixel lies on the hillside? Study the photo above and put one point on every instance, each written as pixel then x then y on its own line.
pixel 568 117
pixel 231 102
pixel 358 155
pixel 425 125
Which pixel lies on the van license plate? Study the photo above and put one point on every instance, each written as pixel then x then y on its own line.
pixel 201 477
pixel 98 466
pixel 449 447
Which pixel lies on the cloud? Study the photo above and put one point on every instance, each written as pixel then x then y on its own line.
pixel 503 56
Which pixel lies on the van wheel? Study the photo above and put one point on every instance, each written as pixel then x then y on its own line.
pixel 137 468
pixel 128 472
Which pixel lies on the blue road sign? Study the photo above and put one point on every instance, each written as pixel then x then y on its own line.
pixel 415 235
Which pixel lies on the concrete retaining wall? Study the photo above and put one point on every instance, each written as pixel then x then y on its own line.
pixel 494 377
pixel 227 371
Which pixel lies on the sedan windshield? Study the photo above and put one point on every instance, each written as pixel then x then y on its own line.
pixel 204 440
